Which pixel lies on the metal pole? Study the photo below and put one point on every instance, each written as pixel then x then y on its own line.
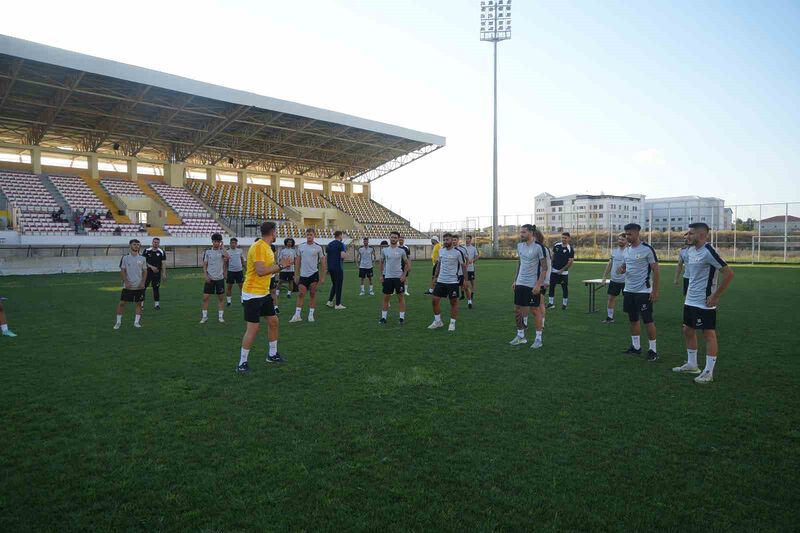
pixel 760 218
pixel 785 232
pixel 495 238
pixel 735 214
pixel 669 228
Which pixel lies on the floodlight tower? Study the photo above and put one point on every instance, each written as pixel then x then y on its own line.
pixel 495 27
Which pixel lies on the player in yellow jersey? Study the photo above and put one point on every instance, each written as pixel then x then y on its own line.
pixel 437 246
pixel 256 297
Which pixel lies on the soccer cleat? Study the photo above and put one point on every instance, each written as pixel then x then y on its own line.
pixel 227 304
pixel 633 351
pixel 686 368
pixel 221 320
pixel 157 307
pixel 277 310
pixel 517 340
pixel 244 368
pixel 329 304
pixel 362 293
pixel 382 321
pixel 371 293
pixel 451 327
pixel 9 333
pixel 406 293
pixel 296 318
pixel 652 356
pixel 563 307
pixel 607 320
pixel 537 343
pixel 311 318
pixel 116 326
pixel 340 307
pixel 289 295
pixel 137 325
pixel 550 306
pixel 204 320
pixel 436 324
pixel 402 321
pixel 429 292
pixel 469 305
pixel 705 377
pixel 275 358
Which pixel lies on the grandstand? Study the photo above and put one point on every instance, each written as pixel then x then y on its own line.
pixel 160 134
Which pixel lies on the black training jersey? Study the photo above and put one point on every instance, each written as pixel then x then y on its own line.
pixel 407 250
pixel 155 257
pixel 562 253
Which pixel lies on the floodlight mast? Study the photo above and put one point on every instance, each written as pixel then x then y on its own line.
pixel 495 27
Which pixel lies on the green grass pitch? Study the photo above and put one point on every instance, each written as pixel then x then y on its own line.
pixel 394 428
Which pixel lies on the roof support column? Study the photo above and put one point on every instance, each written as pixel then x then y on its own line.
pixel 326 187
pixel 275 183
pixel 94 171
pixel 133 169
pixel 366 191
pixel 348 188
pixel 299 184
pixel 36 160
pixel 241 176
pixel 211 177
pixel 173 174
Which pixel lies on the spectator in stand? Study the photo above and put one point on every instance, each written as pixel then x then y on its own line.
pixel 117 231
pixel 109 215
pixel 76 220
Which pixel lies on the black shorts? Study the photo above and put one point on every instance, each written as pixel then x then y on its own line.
pixel 615 287
pixel 433 272
pixel 307 282
pixel 559 279
pixel 461 280
pixel 216 286
pixel 132 295
pixel 273 282
pixel 446 290
pixel 286 276
pixel 365 273
pixel 235 277
pixel 686 286
pixel 153 278
pixel 393 285
pixel 524 297
pixel 255 308
pixel 471 276
pixel 696 318
pixel 638 306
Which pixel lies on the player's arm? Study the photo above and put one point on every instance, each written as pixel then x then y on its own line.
pixel 406 268
pixel 144 276
pixel 343 253
pixel 164 268
pixel 205 267
pixel 608 269
pixel 514 284
pixel 543 270
pixel 322 265
pixel 571 259
pixel 656 281
pixel 123 272
pixel 679 269
pixel 225 260
pixel 380 266
pixel 727 277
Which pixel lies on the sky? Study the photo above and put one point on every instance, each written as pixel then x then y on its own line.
pixel 662 98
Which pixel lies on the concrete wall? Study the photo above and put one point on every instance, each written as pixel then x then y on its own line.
pixel 10 266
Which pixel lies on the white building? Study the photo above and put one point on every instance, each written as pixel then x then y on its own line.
pixel 676 213
pixel 780 224
pixel 588 212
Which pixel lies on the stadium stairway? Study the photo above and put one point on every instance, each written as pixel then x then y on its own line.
pixel 104 197
pixel 172 217
pixel 56 194
pixel 212 212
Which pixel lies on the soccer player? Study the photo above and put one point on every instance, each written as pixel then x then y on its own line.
pixel 472 257
pixel 640 261
pixel 286 275
pixel 682 264
pixel 617 283
pixel 256 297
pixel 156 270
pixel 531 272
pixel 4 331
pixel 336 254
pixel 437 246
pixel 462 274
pixel 402 244
pixel 133 269
pixel 539 236
pixel 215 263
pixel 393 265
pixel 236 266
pixel 700 307
pixel 446 275
pixel 366 260
pixel 563 257
pixel 307 275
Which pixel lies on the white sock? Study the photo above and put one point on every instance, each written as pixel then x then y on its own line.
pixel 158 304
pixel 635 341
pixel 297 311
pixel 273 348
pixel 136 319
pixel 243 357
pixel 452 321
pixel 228 298
pixel 4 327
pixel 521 333
pixel 543 319
pixel 564 301
pixel 691 357
pixel 469 301
pixel 311 313
pixel 525 321
pixel 403 315
pixel 437 318
pixel 220 313
pixel 370 288
pixel 653 345
pixel 711 360
pixel 551 300
pixel 610 312
pixel 384 314
pixel 539 335
pixel 119 321
pixel 205 313
pixel 362 289
pixel 277 292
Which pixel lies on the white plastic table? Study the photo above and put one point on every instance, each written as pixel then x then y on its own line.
pixel 594 285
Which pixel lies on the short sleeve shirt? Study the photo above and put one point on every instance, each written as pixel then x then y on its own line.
pixel 291 253
pixel 155 257
pixel 235 260
pixel 216 263
pixel 256 286
pixel 310 255
pixel 530 266
pixel 366 256
pixel 617 260
pixel 134 266
pixel 639 261
pixel 393 261
pixel 334 253
pixel 683 254
pixel 702 265
pixel 472 254
pixel 562 253
pixel 449 265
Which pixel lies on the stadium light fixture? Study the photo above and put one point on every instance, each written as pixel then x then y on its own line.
pixel 495 27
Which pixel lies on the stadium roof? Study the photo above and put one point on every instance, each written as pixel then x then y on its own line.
pixel 54 97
